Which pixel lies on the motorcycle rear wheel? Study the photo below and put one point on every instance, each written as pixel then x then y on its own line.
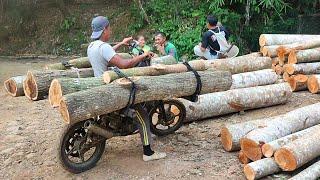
pixel 75 143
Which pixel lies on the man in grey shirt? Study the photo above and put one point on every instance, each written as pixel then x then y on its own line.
pixel 101 54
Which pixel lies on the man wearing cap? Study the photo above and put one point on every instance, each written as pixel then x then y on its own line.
pixel 101 54
pixel 214 42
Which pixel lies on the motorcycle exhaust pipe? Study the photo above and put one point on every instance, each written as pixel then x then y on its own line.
pixel 98 130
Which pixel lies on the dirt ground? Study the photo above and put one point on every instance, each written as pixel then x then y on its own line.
pixel 29 133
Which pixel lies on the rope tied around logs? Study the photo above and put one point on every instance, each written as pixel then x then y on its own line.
pixel 195 96
pixel 129 107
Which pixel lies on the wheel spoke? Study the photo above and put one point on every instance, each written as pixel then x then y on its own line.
pixel 70 151
pixel 81 155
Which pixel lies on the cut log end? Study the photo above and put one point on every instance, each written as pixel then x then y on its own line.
pixel 264 51
pixel 313 85
pixel 243 158
pixel 11 87
pixel 285 76
pixel 251 149
pixel 30 87
pixel 292 58
pixel 285 159
pixel 279 70
pixel 63 108
pixel 55 93
pixel 267 150
pixel 226 139
pixel 249 172
pixel 281 53
pixel 262 40
pixel 298 82
pixel 289 68
pixel 106 78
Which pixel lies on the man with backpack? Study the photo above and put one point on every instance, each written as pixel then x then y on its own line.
pixel 214 42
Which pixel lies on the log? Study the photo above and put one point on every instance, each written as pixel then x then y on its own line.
pixel 314 84
pixel 278 127
pixel 284 50
pixel 112 97
pixel 269 148
pixel 236 100
pixel 280 39
pixel 164 60
pixel 252 79
pixel 275 61
pixel 304 56
pixel 279 69
pixel 37 83
pixel 299 152
pixel 298 82
pixel 154 70
pixel 253 54
pixel 82 62
pixel 310 173
pixel 63 86
pixel 261 168
pixel 241 64
pixel 14 86
pixel 285 76
pixel 243 158
pixel 270 51
pixel 303 68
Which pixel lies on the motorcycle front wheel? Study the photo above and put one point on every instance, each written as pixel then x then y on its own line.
pixel 78 150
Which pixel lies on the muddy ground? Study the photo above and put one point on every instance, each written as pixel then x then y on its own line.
pixel 29 133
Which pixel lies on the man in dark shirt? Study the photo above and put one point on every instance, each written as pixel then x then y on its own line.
pixel 214 41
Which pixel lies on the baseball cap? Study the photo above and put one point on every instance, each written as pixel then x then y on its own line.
pixel 98 24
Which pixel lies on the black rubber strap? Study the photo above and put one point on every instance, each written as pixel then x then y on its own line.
pixel 133 89
pixel 195 95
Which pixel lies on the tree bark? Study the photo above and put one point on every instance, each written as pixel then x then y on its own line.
pixel 112 97
pixel 298 82
pixel 284 50
pixel 278 127
pixel 253 54
pixel 310 173
pixel 279 39
pixel 236 100
pixel 299 152
pixel 261 168
pixel 63 86
pixel 269 148
pixel 37 83
pixel 270 51
pixel 243 158
pixel 314 84
pixel 304 68
pixel 252 79
pixel 155 70
pixel 241 64
pixel 303 56
pixel 82 62
pixel 168 60
pixel 14 86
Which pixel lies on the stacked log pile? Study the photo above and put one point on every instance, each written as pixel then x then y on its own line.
pixel 296 57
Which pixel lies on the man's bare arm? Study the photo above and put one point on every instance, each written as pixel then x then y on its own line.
pixel 128 63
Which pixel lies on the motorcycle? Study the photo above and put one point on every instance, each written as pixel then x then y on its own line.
pixel 82 144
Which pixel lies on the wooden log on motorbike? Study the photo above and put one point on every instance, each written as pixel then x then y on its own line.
pixel 284 50
pixel 261 168
pixel 112 97
pixel 269 148
pixel 280 39
pixel 240 64
pixel 37 83
pixel 283 125
pixel 163 60
pixel 314 84
pixel 14 86
pixel 252 79
pixel 154 70
pixel 63 86
pixel 303 68
pixel 82 62
pixel 304 56
pixel 299 152
pixel 236 100
pixel 310 173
